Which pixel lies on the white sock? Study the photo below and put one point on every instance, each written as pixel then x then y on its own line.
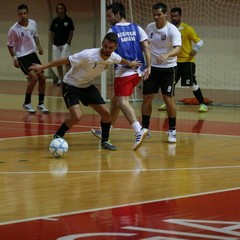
pixel 136 127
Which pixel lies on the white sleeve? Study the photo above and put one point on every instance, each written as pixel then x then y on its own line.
pixel 10 41
pixel 176 37
pixel 116 58
pixel 143 34
pixel 34 26
pixel 77 58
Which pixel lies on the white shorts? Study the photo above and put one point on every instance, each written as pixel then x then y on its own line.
pixel 61 51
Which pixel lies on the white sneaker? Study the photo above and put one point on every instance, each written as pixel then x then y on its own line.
pixel 97 133
pixel 172 136
pixel 139 138
pixel 29 108
pixel 42 108
pixel 163 107
pixel 148 135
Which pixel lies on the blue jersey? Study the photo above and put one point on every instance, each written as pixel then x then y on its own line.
pixel 129 43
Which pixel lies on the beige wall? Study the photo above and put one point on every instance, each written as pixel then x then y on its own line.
pixel 217 24
pixel 85 14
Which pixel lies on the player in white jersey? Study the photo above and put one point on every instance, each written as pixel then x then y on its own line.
pixel 78 84
pixel 22 44
pixel 132 42
pixel 191 43
pixel 165 43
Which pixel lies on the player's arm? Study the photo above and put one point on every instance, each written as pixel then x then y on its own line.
pixel 132 64
pixel 196 39
pixel 40 50
pixel 147 53
pixel 70 37
pixel 12 53
pixel 172 53
pixel 55 63
pixel 197 46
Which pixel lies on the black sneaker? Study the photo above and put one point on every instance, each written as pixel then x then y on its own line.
pixel 56 136
pixel 108 146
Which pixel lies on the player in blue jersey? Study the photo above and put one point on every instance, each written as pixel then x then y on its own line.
pixel 132 42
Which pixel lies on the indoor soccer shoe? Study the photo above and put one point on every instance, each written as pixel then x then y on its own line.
pixel 42 108
pixel 203 108
pixel 56 136
pixel 29 108
pixel 163 107
pixel 172 136
pixel 108 146
pixel 97 133
pixel 148 135
pixel 139 138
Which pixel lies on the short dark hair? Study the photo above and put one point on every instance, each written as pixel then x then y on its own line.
pixel 159 5
pixel 117 8
pixel 63 5
pixel 177 9
pixel 22 6
pixel 111 37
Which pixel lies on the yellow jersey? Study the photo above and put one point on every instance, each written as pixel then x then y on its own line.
pixel 189 36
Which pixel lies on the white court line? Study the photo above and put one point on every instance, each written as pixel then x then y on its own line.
pixel 126 170
pixel 117 129
pixel 116 206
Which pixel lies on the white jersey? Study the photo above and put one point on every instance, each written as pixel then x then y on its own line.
pixel 87 65
pixel 162 41
pixel 22 38
pixel 139 37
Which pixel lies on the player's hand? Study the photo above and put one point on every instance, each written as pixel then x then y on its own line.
pixel 162 58
pixel 36 67
pixel 146 73
pixel 16 63
pixel 40 51
pixel 193 53
pixel 135 64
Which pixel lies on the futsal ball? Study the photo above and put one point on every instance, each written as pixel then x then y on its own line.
pixel 58 147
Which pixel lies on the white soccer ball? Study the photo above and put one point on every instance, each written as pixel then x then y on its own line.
pixel 58 147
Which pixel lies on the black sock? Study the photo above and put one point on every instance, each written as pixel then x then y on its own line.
pixel 172 123
pixel 198 95
pixel 28 98
pixel 105 131
pixel 41 98
pixel 62 130
pixel 145 121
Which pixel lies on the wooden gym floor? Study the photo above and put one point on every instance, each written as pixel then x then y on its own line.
pixel 188 190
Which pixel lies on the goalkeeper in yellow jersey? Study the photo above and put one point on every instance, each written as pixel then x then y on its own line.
pixel 191 43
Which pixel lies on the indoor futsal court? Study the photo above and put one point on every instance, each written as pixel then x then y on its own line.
pixel 188 190
pixel 184 191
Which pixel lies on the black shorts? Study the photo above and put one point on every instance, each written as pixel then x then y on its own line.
pixel 163 78
pixel 27 61
pixel 73 95
pixel 186 71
